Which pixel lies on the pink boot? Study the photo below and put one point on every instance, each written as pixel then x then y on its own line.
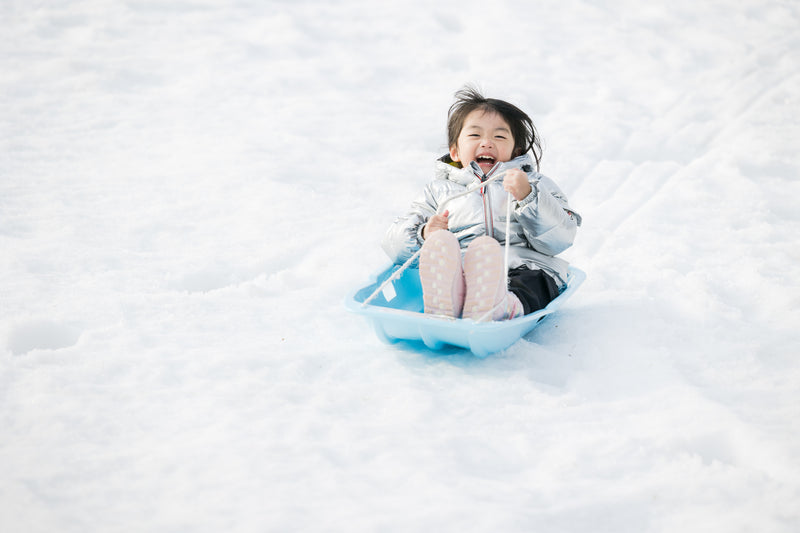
pixel 441 274
pixel 487 297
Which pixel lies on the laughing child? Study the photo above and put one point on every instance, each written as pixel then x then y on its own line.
pixel 461 263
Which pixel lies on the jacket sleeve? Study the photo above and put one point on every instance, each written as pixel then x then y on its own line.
pixel 547 220
pixel 404 237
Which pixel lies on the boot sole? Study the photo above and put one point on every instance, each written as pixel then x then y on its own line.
pixel 440 273
pixel 484 276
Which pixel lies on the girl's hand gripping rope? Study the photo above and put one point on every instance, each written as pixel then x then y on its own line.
pixel 516 182
pixel 436 222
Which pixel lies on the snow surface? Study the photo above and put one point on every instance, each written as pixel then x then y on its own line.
pixel 189 190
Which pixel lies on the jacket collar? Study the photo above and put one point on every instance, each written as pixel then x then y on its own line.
pixel 446 169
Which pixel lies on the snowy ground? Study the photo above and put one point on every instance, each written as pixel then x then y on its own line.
pixel 188 190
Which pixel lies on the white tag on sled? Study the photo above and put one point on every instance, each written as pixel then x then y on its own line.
pixel 388 292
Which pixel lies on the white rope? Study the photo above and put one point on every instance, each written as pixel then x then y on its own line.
pixel 508 235
pixel 397 273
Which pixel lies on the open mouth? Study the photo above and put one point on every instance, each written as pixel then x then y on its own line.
pixel 485 160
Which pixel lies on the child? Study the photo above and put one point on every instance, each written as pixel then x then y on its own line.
pixel 486 137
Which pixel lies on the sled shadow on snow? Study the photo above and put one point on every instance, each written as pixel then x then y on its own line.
pixel 529 344
pixel 542 356
pixel 561 348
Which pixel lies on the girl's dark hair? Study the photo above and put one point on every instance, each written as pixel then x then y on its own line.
pixel 469 99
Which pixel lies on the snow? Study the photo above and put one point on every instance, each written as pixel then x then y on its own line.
pixel 189 190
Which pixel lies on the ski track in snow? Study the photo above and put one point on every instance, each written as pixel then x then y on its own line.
pixel 189 190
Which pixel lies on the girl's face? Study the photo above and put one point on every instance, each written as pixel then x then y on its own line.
pixel 485 138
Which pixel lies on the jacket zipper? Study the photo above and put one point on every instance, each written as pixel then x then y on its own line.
pixel 487 213
pixel 488 219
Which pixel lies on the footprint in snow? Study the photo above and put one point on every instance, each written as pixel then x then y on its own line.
pixel 41 335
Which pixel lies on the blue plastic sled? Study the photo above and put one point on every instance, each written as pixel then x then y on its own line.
pixel 396 314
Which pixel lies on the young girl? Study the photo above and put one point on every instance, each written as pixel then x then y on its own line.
pixel 487 137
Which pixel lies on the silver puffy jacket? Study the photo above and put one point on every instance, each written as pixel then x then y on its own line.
pixel 542 225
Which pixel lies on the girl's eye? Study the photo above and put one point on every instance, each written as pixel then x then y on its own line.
pixel 500 137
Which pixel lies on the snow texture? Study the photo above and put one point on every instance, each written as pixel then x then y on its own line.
pixel 189 189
